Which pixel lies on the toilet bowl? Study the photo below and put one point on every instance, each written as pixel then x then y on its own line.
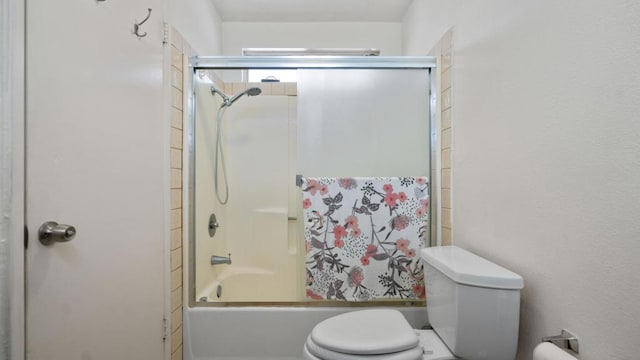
pixel 472 304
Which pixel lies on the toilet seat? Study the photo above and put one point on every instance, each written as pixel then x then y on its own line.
pixel 365 332
pixel 324 354
pixel 380 334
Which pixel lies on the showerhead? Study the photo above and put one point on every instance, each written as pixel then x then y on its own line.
pixel 254 91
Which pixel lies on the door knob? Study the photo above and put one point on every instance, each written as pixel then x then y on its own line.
pixel 52 232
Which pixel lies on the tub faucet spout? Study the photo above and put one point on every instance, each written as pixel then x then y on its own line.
pixel 216 260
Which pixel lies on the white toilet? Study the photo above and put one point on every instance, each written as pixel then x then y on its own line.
pixel 473 306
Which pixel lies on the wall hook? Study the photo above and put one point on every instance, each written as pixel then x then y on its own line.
pixel 136 27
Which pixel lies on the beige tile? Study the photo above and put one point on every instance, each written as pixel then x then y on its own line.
pixel 176 218
pixel 176 319
pixel 446 79
pixel 176 118
pixel 446 99
pixel 176 58
pixel 176 159
pixel 176 39
pixel 291 89
pixel 176 78
pixel 176 340
pixel 176 238
pixel 176 179
pixel 176 258
pixel 446 179
pixel 446 159
pixel 187 50
pixel 176 98
pixel 446 218
pixel 446 139
pixel 446 198
pixel 176 281
pixel 227 88
pixel 176 138
pixel 176 198
pixel 176 296
pixel 177 355
pixel 237 88
pixel 446 237
pixel 446 119
pixel 446 61
pixel 278 89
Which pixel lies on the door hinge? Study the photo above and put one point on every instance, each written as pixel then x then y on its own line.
pixel 165 329
pixel 26 237
pixel 165 29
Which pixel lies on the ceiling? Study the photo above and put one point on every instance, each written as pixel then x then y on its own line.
pixel 312 10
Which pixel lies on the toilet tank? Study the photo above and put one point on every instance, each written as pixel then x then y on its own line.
pixel 472 303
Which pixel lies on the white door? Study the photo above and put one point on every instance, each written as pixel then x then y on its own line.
pixel 95 160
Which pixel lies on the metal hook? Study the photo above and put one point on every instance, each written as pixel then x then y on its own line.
pixel 136 27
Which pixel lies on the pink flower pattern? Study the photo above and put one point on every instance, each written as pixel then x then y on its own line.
pixel 339 232
pixel 363 235
pixel 402 245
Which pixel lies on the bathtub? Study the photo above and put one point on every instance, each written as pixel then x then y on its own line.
pixel 249 284
pixel 215 331
pixel 260 333
pixel 240 283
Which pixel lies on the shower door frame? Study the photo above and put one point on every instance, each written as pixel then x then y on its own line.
pixel 196 63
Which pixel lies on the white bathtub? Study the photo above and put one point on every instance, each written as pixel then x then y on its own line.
pixel 242 283
pixel 265 333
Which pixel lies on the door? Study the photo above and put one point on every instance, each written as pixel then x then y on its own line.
pixel 95 148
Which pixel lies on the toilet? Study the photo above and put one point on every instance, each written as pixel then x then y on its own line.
pixel 473 307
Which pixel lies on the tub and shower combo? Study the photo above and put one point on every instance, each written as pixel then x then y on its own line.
pixel 306 198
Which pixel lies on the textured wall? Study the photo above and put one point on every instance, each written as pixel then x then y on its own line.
pixel 546 159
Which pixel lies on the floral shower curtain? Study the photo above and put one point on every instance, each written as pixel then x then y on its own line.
pixel 363 237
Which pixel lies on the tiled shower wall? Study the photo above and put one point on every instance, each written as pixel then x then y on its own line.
pixel 177 52
pixel 442 50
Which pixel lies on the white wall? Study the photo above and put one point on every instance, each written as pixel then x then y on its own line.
pixel 424 24
pixel 198 22
pixel 546 157
pixel 385 36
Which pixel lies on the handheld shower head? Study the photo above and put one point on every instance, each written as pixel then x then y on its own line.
pixel 226 101
pixel 254 91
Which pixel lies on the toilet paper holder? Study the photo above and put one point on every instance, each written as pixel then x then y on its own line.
pixel 566 340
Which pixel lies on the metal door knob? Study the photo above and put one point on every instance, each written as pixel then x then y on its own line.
pixel 52 232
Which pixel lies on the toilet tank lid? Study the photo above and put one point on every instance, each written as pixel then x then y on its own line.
pixel 467 268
